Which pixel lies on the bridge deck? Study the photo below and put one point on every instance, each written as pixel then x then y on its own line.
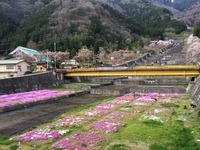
pixel 137 71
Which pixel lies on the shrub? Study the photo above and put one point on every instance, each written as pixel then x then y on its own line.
pixel 169 105
pixel 119 147
pixel 157 147
pixel 152 123
pixel 13 147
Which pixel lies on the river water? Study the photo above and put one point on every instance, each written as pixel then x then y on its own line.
pixel 20 120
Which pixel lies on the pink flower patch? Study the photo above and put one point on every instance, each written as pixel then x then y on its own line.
pixel 96 112
pixel 28 97
pixel 41 134
pixel 72 121
pixel 79 141
pixel 106 126
pixel 119 116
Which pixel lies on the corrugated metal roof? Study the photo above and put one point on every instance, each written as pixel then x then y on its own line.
pixel 25 50
pixel 10 62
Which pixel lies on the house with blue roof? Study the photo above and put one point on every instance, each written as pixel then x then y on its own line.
pixel 20 51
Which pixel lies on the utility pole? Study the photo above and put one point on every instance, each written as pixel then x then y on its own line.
pixel 55 53
pixel 47 59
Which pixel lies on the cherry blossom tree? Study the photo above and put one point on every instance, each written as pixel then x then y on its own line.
pixel 54 56
pixel 193 50
pixel 115 57
pixel 85 54
pixel 28 58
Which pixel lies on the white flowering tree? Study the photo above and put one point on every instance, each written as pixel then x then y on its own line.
pixel 49 56
pixel 115 57
pixel 85 55
pixel 193 50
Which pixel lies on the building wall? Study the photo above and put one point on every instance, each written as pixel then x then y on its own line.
pixel 17 70
pixel 23 65
pixel 40 68
pixel 27 83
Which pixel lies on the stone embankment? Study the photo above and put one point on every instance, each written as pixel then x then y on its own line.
pixel 27 83
pixel 195 91
pixel 193 52
pixel 143 84
pixel 171 54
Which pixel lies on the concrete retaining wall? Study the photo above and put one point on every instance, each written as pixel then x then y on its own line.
pixel 158 89
pixel 195 91
pixel 152 81
pixel 27 83
pixel 111 90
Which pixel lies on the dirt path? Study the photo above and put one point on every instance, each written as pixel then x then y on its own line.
pixel 23 119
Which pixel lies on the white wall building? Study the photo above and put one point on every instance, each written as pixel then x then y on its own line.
pixel 13 68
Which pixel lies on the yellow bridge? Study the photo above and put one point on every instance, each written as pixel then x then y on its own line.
pixel 176 70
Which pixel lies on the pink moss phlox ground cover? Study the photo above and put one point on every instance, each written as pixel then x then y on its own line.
pixel 41 134
pixel 90 140
pixel 72 121
pixel 129 96
pixel 106 126
pixel 27 97
pixel 149 94
pixel 122 100
pixel 170 95
pixel 118 115
pixel 147 97
pixel 117 102
pixel 96 112
pixel 106 105
pixel 80 141
pixel 64 144
pixel 166 100
pixel 150 117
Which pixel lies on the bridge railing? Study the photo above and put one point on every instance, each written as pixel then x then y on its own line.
pixel 195 67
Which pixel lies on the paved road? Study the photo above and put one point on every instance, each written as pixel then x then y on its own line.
pixel 23 119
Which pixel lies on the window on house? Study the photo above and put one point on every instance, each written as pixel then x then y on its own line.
pixel 19 68
pixel 28 68
pixel 18 53
pixel 9 67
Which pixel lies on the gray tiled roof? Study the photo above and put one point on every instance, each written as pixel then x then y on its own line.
pixel 10 62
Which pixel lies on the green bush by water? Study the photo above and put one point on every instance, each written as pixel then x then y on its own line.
pixel 119 147
pixel 169 105
pixel 157 147
pixel 152 123
pixel 13 147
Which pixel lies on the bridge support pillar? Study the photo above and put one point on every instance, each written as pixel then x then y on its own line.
pixel 60 76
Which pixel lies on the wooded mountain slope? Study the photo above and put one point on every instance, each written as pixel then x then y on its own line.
pixel 72 24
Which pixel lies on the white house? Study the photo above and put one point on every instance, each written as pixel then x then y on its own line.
pixel 13 68
pixel 69 64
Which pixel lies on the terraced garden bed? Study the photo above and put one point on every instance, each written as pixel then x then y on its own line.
pixel 15 101
pixel 139 121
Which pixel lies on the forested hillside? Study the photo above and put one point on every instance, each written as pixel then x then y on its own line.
pixel 73 24
pixel 180 5
pixel 7 28
pixel 186 10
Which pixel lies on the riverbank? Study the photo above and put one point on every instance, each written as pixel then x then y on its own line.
pixel 22 119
